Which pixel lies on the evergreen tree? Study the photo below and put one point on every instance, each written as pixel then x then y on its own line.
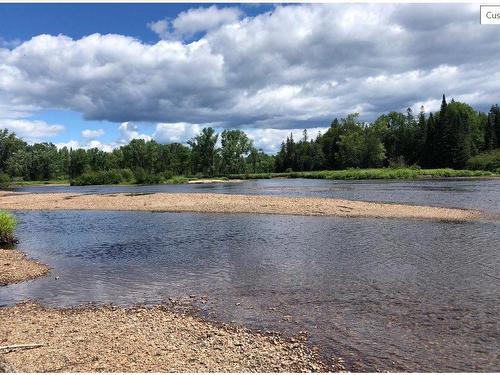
pixel 490 140
pixel 428 150
pixel 442 151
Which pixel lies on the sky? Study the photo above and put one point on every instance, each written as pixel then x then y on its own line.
pixel 100 75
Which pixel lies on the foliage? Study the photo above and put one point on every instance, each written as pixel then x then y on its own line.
pixel 114 176
pixel 7 228
pixel 372 174
pixel 448 138
pixel 203 152
pixel 235 147
pixel 488 161
pixel 5 180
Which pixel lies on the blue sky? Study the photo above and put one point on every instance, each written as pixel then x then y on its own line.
pixel 99 75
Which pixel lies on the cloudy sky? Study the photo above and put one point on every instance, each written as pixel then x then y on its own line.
pixel 99 75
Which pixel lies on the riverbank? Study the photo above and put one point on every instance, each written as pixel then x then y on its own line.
pixel 373 174
pixel 15 267
pixel 229 203
pixel 140 339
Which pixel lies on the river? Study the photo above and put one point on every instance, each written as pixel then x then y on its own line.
pixel 382 294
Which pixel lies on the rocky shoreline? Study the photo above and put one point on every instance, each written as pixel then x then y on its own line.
pixel 15 267
pixel 140 339
pixel 229 203
pixel 34 338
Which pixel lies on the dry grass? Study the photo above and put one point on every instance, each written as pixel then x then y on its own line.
pixel 228 203
pixel 140 339
pixel 16 267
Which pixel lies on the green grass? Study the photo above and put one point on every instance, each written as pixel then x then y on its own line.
pixel 7 228
pixel 371 174
pixel 42 182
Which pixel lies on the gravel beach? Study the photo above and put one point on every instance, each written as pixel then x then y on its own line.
pixel 140 339
pixel 229 203
pixel 16 267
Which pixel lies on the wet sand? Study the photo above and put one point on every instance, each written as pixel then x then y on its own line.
pixel 16 267
pixel 140 339
pixel 229 203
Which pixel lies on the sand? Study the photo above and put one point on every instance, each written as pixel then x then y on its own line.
pixel 16 267
pixel 229 203
pixel 140 339
pixel 212 181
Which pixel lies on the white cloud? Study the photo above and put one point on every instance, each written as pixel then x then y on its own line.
pixel 160 28
pixel 129 131
pixel 179 132
pixel 269 140
pixel 92 134
pixel 195 20
pixel 204 19
pixel 32 130
pixel 294 67
pixel 74 144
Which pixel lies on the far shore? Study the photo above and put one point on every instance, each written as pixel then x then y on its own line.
pixel 230 203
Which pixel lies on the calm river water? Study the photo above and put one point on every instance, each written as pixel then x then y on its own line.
pixel 382 294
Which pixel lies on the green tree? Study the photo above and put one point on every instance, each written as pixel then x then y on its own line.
pixel 203 151
pixel 235 147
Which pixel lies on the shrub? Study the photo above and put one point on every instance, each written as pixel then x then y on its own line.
pixel 7 228
pixel 488 161
pixel 143 177
pixel 177 180
pixel 111 177
pixel 4 180
pixel 167 175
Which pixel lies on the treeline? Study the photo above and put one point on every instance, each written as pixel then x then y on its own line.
pixel 457 136
pixel 138 162
pixel 445 139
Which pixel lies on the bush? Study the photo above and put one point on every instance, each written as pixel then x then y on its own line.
pixel 7 228
pixel 488 161
pixel 111 177
pixel 177 180
pixel 167 175
pixel 143 177
pixel 4 180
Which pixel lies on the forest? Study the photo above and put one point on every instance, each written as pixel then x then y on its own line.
pixel 456 136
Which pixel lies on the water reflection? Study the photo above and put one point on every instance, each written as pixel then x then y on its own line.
pixel 384 294
pixel 466 193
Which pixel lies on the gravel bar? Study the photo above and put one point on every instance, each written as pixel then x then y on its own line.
pixel 140 339
pixel 16 267
pixel 229 203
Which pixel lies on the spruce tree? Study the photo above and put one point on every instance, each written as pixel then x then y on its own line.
pixel 460 150
pixel 489 133
pixel 496 111
pixel 442 154
pixel 427 156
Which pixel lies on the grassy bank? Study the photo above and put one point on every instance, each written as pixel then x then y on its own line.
pixel 41 182
pixel 120 178
pixel 372 174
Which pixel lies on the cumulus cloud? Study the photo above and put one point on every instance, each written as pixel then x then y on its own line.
pixel 293 67
pixel 197 20
pixel 269 140
pixel 32 130
pixel 74 144
pixel 92 134
pixel 179 132
pixel 129 131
